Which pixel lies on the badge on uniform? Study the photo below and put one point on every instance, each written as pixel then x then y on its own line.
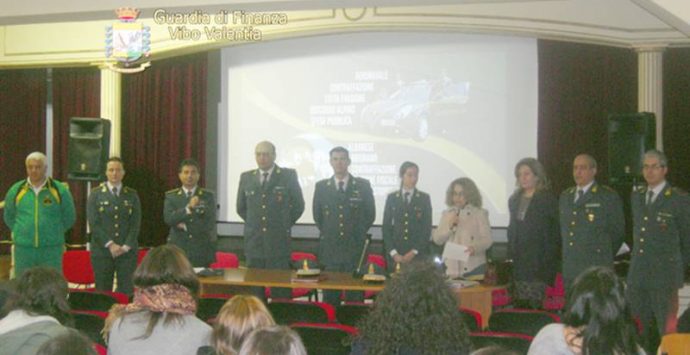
pixel 590 217
pixel 47 201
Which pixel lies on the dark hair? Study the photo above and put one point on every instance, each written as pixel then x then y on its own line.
pixel 7 294
pixel 273 340
pixel 42 291
pixel 339 149
pixel 406 165
pixel 418 298
pixel 683 325
pixel 117 160
pixel 469 188
pixel 188 162
pixel 165 264
pixel 596 303
pixel 70 343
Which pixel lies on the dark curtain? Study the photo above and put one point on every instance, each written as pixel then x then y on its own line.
pixel 163 122
pixel 22 125
pixel 76 93
pixel 677 115
pixel 579 86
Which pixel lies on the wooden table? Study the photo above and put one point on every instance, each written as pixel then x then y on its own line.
pixel 476 297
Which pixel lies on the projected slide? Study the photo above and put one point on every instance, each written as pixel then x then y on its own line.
pixel 457 105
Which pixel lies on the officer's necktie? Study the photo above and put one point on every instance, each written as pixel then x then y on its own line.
pixel 115 191
pixel 580 192
pixel 341 186
pixel 189 194
pixel 263 182
pixel 407 198
pixel 650 197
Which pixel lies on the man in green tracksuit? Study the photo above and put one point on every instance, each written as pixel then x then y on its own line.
pixel 38 211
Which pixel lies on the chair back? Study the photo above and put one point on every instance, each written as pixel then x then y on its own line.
pixel 471 318
pixel 90 324
pixel 91 301
pixel 319 338
pixel 77 268
pixel 287 312
pixel 225 260
pixel 351 313
pixel 208 307
pixel 522 321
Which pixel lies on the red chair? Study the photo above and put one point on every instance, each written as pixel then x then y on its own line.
pixel 295 258
pixel 141 254
pixel 320 338
pixel 521 321
pixel 509 341
pixel 77 268
pixel 225 260
pixel 555 296
pixel 288 311
pixel 500 298
pixel 471 318
pixel 100 349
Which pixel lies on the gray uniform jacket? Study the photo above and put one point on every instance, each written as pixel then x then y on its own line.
pixel 114 218
pixel 343 219
pixel 592 229
pixel 269 211
pixel 661 239
pixel 198 236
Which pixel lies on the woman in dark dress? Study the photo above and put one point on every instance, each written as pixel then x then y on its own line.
pixel 533 234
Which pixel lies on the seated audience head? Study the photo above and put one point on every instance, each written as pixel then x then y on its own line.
pixel 165 284
pixel 6 294
pixel 42 291
pixel 239 316
pixel 596 307
pixel 416 311
pixel 463 191
pixel 273 340
pixel 71 343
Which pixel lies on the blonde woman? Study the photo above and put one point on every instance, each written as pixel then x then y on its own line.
pixel 465 222
pixel 239 316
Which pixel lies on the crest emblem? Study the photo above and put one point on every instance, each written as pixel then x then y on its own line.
pixel 127 41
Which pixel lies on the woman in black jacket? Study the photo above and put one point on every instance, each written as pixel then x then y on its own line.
pixel 533 234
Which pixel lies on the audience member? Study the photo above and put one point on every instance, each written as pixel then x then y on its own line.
pixel 597 319
pixel 161 318
pixel 239 316
pixel 71 343
pixel 273 340
pixel 39 312
pixel 415 313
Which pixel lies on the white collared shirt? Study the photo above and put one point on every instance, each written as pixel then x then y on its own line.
pixel 345 180
pixel 268 177
pixel 186 192
pixel 111 186
pixel 38 188
pixel 584 189
pixel 657 190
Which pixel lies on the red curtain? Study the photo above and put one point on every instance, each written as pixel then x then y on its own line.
pixel 163 122
pixel 22 125
pixel 76 93
pixel 579 86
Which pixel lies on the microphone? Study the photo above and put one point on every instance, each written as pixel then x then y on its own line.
pixel 358 272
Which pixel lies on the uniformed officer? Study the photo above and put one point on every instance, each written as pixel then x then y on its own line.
pixel 343 211
pixel 269 200
pixel 114 215
pixel 592 223
pixel 661 242
pixel 190 211
pixel 406 223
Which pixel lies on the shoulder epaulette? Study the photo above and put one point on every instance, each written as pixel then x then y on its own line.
pixel 608 188
pixel 173 191
pixel 676 190
pixel 99 186
pixel 128 189
pixel 571 190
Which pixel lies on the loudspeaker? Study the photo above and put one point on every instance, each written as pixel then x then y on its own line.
pixel 88 148
pixel 630 136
